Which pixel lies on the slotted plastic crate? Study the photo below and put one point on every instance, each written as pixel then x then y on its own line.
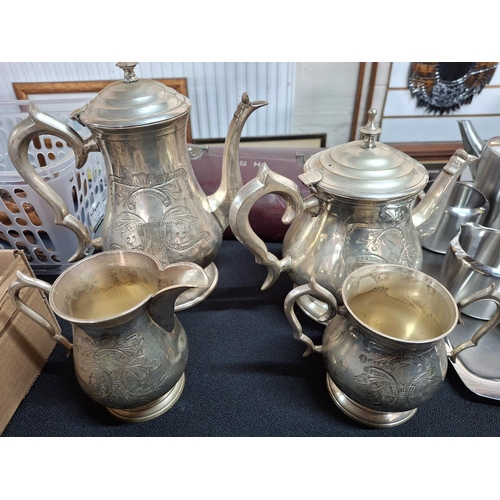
pixel 26 219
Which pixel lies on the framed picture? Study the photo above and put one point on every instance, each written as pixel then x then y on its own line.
pixel 66 90
pixel 302 141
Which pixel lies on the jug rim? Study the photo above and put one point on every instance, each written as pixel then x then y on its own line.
pixel 68 274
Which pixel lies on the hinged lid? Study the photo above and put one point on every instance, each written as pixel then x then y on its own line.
pixel 365 169
pixel 133 102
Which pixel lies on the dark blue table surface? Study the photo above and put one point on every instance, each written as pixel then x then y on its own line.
pixel 245 377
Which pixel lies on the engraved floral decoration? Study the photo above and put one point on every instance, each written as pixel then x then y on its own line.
pixel 381 375
pixel 118 369
pixel 162 233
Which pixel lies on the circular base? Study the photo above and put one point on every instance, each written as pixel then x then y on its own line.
pixel 313 307
pixel 153 409
pixel 194 296
pixel 363 414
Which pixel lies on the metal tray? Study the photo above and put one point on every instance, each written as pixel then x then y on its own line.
pixel 477 367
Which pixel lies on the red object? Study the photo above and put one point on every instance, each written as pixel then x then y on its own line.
pixel 265 216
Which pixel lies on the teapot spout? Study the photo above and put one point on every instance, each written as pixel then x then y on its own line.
pixel 473 143
pixel 231 181
pixel 429 211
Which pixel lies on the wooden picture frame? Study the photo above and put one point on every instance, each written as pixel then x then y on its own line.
pixel 24 89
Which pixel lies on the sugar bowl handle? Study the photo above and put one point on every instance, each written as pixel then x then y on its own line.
pixel 15 288
pixel 321 293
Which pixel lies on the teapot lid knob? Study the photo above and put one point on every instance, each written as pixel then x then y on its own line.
pixel 370 130
pixel 128 69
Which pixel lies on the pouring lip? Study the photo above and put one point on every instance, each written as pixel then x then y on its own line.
pixel 69 274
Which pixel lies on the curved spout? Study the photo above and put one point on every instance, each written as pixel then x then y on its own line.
pixel 428 213
pixel 231 182
pixel 473 143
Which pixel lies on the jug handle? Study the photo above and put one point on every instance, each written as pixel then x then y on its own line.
pixel 321 293
pixel 15 288
pixel 264 183
pixel 486 293
pixel 34 125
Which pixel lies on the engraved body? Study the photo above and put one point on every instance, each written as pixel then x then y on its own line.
pixel 129 349
pixel 159 206
pixel 132 364
pixel 384 349
pixel 155 203
pixel 379 373
pixel 359 212
pixel 346 235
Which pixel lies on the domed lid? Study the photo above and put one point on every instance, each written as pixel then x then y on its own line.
pixel 365 169
pixel 133 102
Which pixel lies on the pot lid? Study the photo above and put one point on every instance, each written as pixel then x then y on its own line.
pixel 133 102
pixel 365 169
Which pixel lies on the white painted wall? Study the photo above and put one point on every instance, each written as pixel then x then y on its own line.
pixel 324 99
pixel 303 98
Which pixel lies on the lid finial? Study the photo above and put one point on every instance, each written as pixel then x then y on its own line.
pixel 370 131
pixel 128 69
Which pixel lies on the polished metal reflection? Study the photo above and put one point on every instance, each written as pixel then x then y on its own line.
pixel 384 349
pixel 155 203
pixel 486 171
pixel 463 204
pixel 129 349
pixel 471 263
pixel 360 211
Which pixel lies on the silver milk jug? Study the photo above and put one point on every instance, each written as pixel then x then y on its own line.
pixel 155 203
pixel 129 348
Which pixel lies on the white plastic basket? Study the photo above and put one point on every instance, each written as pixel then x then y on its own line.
pixel 26 219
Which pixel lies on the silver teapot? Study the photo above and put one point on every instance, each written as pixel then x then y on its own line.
pixel 361 211
pixel 155 203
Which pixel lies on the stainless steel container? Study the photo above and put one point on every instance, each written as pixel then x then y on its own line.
pixel 471 263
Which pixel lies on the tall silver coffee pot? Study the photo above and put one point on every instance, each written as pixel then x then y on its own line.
pixel 155 203
pixel 359 212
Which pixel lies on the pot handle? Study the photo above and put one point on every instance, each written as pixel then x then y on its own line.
pixel 264 183
pixel 321 293
pixel 486 293
pixel 34 125
pixel 15 288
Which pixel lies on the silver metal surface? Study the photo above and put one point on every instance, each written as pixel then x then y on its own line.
pixel 129 349
pixel 338 228
pixel 155 203
pixel 486 171
pixel 365 169
pixel 463 204
pixel 471 263
pixel 381 373
pixel 478 368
